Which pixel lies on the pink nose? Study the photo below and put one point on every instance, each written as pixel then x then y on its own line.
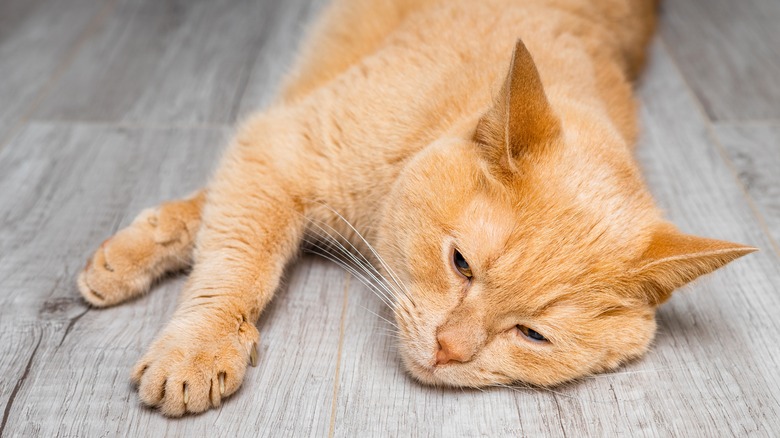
pixel 451 350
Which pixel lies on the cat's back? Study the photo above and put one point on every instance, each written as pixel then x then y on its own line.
pixel 350 32
pixel 422 65
pixel 379 80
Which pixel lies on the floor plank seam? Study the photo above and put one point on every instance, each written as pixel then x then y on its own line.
pixel 133 126
pixel 708 124
pixel 67 60
pixel 18 386
pixel 334 402
pixel 747 122
pixel 560 416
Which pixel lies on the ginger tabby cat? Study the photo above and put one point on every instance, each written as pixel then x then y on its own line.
pixel 484 151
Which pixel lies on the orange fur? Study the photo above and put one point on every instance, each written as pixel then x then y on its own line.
pixel 401 116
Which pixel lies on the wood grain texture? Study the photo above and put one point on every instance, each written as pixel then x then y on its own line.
pixel 284 34
pixel 754 150
pixel 37 38
pixel 66 188
pixel 729 52
pixel 165 62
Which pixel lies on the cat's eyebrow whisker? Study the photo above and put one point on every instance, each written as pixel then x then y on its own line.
pixel 363 263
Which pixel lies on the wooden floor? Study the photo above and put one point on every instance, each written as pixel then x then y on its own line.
pixel 110 106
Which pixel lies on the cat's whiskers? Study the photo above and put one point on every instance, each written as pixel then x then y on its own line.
pixel 523 385
pixel 370 247
pixel 356 267
pixel 626 373
pixel 379 316
pixel 395 288
pixel 326 241
pixel 365 263
pixel 393 334
pixel 349 268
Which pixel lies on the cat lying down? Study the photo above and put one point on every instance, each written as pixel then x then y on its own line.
pixel 478 154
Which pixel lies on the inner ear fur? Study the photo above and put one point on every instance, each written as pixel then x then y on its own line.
pixel 521 118
pixel 673 259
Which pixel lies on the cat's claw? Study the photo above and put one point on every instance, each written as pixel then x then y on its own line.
pixel 253 355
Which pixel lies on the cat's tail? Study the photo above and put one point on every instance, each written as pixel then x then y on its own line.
pixel 159 241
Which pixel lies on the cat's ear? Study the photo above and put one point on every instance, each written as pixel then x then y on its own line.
pixel 521 118
pixel 673 259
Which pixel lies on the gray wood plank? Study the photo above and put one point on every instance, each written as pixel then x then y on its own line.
pixel 724 327
pixel 36 39
pixel 277 53
pixel 62 190
pixel 19 351
pixel 714 369
pixel 754 150
pixel 164 62
pixel 729 52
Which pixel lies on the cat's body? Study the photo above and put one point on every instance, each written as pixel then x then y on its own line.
pixel 510 217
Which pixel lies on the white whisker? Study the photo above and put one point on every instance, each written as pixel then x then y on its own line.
pixel 370 247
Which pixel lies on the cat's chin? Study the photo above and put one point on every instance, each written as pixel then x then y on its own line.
pixel 425 374
pixel 447 375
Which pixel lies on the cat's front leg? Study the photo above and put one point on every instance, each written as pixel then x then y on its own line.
pixel 252 225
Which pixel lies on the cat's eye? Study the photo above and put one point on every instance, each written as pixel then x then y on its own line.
pixel 461 264
pixel 531 334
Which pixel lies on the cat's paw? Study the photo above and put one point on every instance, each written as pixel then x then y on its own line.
pixel 191 368
pixel 126 264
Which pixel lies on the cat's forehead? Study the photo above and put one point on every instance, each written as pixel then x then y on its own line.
pixel 485 227
pixel 515 241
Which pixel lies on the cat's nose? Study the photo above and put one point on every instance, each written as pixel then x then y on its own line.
pixel 451 349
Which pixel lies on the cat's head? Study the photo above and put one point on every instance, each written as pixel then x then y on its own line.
pixel 531 251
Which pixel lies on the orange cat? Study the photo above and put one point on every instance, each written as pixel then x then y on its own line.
pixel 483 149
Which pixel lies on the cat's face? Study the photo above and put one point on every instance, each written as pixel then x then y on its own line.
pixel 539 265
pixel 518 283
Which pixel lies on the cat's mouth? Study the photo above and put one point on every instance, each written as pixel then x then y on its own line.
pixel 422 372
pixel 423 369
